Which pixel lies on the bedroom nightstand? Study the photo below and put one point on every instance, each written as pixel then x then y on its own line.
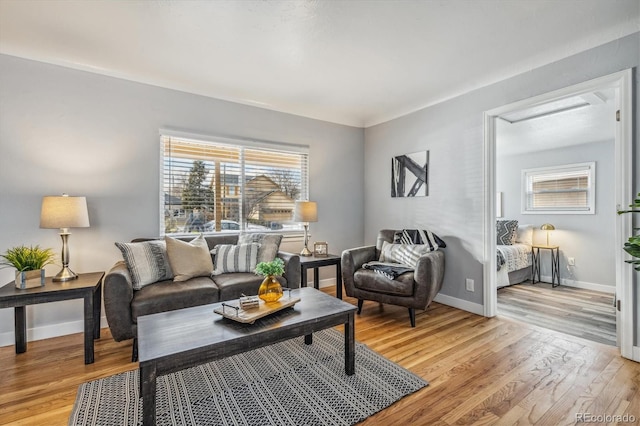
pixel 555 263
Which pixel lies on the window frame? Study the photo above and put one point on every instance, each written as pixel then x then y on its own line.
pixel 234 143
pixel 588 167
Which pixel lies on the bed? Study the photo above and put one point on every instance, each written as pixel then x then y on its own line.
pixel 514 260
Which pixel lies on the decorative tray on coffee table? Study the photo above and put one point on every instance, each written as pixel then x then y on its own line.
pixel 233 311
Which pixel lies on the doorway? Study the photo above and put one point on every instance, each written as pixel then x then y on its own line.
pixel 620 85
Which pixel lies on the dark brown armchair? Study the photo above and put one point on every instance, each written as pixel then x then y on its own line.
pixel 414 289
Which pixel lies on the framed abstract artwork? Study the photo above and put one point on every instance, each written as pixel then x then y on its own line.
pixel 409 175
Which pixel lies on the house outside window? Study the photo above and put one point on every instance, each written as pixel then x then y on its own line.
pixel 566 189
pixel 230 186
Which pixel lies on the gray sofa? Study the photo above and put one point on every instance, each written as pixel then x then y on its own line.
pixel 123 305
pixel 413 290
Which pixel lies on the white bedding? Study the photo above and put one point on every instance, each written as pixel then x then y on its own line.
pixel 516 256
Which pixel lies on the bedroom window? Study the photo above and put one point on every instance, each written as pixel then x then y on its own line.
pixel 568 189
pixel 224 185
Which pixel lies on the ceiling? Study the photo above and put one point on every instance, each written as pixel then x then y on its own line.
pixel 351 62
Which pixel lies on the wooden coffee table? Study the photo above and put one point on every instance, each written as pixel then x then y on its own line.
pixel 175 340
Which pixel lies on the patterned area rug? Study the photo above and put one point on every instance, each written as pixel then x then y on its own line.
pixel 288 383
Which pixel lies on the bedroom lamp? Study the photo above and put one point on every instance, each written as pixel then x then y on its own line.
pixel 547 227
pixel 64 212
pixel 305 212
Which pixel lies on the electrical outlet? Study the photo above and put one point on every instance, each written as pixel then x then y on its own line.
pixel 469 284
pixel 571 261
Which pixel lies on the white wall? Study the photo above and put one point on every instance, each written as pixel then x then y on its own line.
pixel 453 133
pixel 63 130
pixel 587 238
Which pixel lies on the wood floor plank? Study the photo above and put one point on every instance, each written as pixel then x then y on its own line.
pixel 482 371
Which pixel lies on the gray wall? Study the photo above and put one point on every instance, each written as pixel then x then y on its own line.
pixel 63 130
pixel 453 133
pixel 589 238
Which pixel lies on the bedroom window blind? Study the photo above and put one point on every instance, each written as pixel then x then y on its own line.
pixel 226 186
pixel 568 189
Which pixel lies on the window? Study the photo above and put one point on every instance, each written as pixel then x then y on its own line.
pixel 228 186
pixel 568 189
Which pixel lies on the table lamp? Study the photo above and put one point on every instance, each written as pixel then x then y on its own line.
pixel 305 212
pixel 64 212
pixel 547 227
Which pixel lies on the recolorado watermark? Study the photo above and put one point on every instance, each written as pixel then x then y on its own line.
pixel 605 418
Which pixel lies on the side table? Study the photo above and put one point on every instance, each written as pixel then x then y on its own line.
pixel 86 286
pixel 315 262
pixel 555 263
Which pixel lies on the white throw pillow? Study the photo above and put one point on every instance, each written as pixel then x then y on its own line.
pixel 146 261
pixel 189 259
pixel 231 258
pixel 524 235
pixel 405 254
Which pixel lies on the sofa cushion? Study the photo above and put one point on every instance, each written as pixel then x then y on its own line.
pixel 406 254
pixel 147 262
pixel 269 244
pixel 189 259
pixel 168 296
pixel 232 286
pixel 366 279
pixel 235 258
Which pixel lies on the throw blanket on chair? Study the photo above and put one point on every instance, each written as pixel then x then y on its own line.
pixel 388 270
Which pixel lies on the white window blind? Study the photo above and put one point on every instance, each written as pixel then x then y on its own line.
pixel 219 186
pixel 562 189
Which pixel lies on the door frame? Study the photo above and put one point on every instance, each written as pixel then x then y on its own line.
pixel 622 82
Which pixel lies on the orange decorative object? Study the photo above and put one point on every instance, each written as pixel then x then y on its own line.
pixel 270 290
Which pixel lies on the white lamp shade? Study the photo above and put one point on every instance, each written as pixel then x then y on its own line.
pixel 64 212
pixel 305 211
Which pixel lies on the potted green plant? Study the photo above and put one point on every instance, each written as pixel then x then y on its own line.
pixel 29 263
pixel 632 246
pixel 270 290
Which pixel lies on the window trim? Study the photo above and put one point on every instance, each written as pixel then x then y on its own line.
pixel 591 192
pixel 232 142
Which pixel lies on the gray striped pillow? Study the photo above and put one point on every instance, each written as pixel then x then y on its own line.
pixel 230 258
pixel 405 254
pixel 146 261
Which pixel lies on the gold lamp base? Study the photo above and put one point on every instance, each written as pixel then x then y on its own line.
pixel 65 274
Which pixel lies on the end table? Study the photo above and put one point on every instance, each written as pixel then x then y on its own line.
pixel 315 262
pixel 555 263
pixel 86 286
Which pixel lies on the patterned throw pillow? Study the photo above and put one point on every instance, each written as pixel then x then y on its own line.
pixel 405 254
pixel 506 232
pixel 146 261
pixel 189 259
pixel 418 236
pixel 269 244
pixel 230 258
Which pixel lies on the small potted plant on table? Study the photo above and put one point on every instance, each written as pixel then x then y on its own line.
pixel 270 290
pixel 29 263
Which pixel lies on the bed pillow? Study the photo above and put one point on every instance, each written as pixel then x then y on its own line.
pixel 269 244
pixel 506 232
pixel 235 258
pixel 405 254
pixel 524 234
pixel 189 259
pixel 146 261
pixel 418 236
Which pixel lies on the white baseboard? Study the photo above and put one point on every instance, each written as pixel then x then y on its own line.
pixel 328 282
pixel 583 284
pixel 465 305
pixel 47 331
pixel 636 353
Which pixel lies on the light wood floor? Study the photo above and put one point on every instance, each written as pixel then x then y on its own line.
pixel 579 312
pixel 481 371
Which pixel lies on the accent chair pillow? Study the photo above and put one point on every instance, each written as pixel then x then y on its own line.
pixel 235 258
pixel 405 254
pixel 524 234
pixel 189 259
pixel 269 244
pixel 506 231
pixel 146 261
pixel 419 236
